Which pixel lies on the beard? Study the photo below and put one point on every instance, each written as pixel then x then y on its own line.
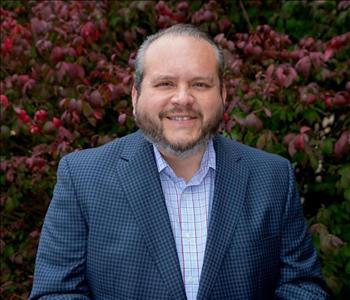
pixel 154 132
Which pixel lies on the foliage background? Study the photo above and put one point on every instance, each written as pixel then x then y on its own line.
pixel 66 73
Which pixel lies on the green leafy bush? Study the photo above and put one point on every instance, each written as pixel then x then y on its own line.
pixel 66 74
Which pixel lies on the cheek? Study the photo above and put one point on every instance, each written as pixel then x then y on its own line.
pixel 210 108
pixel 151 103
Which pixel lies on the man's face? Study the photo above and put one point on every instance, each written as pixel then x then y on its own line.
pixel 180 105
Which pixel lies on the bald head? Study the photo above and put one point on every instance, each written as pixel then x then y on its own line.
pixel 185 30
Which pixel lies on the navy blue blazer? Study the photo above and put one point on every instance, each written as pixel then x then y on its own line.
pixel 107 233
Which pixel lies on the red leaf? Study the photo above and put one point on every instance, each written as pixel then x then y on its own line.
pixel 291 149
pixel 57 122
pixel 342 145
pixel 34 129
pixel 341 98
pixel 4 101
pixel 288 138
pixel 219 38
pixel 304 129
pixel 6 46
pixel 116 91
pixel 63 133
pixel 183 5
pixel 57 54
pixel 98 115
pixel 89 32
pixel 24 117
pixel 35 234
pixel 62 70
pixel 96 99
pixel 303 66
pixel 328 54
pixel 4 165
pixel 267 112
pixel 122 119
pixel 76 71
pixel 224 24
pixel 328 101
pixel 226 117
pixel 40 116
pixel 253 121
pixel 28 86
pixel 9 175
pixel 163 9
pixel 299 142
pixel 38 26
pixel 33 162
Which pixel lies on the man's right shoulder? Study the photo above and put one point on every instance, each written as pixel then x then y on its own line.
pixel 104 154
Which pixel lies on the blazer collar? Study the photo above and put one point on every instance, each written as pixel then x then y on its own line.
pixel 231 180
pixel 148 204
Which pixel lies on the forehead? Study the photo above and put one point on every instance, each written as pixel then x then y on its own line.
pixel 180 55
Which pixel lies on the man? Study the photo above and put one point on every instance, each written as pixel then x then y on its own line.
pixel 176 211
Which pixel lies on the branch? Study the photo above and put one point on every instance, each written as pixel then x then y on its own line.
pixel 245 15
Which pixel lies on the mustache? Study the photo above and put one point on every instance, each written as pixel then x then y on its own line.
pixel 176 110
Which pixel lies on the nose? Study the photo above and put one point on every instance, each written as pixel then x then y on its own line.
pixel 182 96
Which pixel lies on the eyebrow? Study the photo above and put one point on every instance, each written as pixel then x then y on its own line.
pixel 203 78
pixel 163 77
pixel 197 78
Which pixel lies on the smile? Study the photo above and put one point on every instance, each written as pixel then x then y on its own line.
pixel 181 118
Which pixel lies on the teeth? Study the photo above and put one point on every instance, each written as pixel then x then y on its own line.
pixel 180 118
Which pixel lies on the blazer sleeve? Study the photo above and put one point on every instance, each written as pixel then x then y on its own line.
pixel 300 271
pixel 60 262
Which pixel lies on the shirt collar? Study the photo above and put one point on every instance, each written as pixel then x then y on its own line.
pixel 208 160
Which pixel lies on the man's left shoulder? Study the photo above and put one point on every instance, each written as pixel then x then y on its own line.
pixel 248 154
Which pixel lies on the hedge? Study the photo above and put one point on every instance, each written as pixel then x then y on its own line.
pixel 66 75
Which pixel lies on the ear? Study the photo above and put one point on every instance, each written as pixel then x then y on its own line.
pixel 223 94
pixel 134 95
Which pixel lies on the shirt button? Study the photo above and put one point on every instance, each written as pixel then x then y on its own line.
pixel 187 235
pixel 190 280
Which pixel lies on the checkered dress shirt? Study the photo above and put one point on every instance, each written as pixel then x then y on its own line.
pixel 189 205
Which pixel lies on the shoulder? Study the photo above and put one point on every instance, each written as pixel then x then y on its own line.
pixel 103 156
pixel 247 153
pixel 258 161
pixel 269 174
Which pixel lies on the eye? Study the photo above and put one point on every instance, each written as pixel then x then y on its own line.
pixel 201 85
pixel 164 84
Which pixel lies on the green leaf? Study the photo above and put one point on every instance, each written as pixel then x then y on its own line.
pixel 92 121
pixel 87 109
pixel 114 21
pixel 11 203
pixel 288 7
pixel 345 176
pixel 345 234
pixel 8 251
pixel 327 147
pixel 33 52
pixel 346 251
pixel 311 116
pixel 347 268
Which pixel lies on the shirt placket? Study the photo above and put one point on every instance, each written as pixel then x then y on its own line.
pixel 191 267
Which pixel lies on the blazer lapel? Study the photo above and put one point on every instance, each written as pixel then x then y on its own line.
pixel 140 179
pixel 229 193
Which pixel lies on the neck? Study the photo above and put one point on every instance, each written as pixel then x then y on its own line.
pixel 184 167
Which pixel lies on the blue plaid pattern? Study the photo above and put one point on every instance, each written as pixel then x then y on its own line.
pixel 189 206
pixel 107 233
